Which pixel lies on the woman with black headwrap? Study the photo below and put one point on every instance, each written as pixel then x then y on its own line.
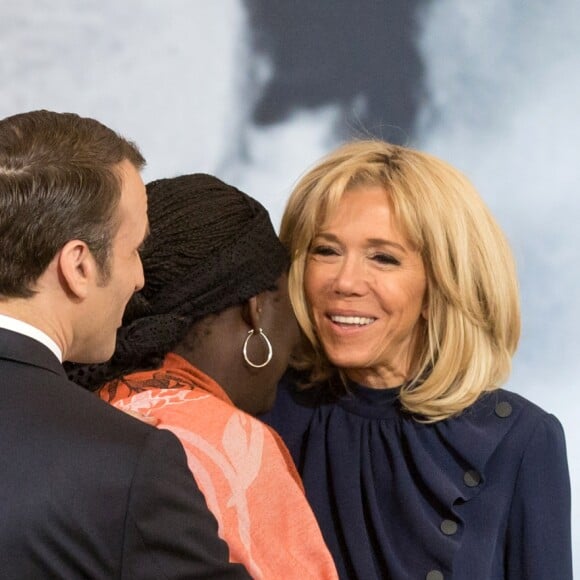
pixel 201 350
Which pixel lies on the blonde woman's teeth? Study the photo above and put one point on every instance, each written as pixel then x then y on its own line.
pixel 354 320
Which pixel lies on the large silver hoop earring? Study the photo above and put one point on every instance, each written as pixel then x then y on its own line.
pixel 245 349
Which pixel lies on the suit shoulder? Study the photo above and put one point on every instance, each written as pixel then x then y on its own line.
pixel 37 400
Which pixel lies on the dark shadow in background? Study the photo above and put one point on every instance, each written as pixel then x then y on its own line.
pixel 343 52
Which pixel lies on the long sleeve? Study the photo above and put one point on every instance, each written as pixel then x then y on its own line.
pixel 539 534
pixel 170 532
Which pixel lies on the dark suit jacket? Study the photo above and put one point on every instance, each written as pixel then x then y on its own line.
pixel 89 492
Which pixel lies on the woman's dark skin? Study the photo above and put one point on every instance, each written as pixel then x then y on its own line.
pixel 219 338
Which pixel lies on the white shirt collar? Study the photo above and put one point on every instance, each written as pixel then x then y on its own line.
pixel 26 329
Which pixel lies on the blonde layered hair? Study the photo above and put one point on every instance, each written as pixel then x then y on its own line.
pixel 473 321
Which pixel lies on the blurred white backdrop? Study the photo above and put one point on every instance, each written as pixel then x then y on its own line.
pixel 500 99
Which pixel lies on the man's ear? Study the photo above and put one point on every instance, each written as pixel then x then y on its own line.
pixel 252 312
pixel 77 268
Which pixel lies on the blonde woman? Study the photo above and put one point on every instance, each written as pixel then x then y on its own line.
pixel 416 463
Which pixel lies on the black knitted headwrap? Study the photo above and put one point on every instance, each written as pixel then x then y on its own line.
pixel 210 247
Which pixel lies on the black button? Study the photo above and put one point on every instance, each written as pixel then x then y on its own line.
pixel 448 527
pixel 471 478
pixel 434 575
pixel 503 409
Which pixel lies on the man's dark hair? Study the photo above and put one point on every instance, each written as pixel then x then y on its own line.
pixel 59 181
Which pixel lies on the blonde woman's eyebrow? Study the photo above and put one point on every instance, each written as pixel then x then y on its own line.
pixel 370 242
pixel 378 242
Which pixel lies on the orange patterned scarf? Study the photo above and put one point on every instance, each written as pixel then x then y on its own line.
pixel 240 464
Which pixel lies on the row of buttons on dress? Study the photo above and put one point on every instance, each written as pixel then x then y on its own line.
pixel 471 478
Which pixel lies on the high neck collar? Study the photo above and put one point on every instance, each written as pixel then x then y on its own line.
pixel 370 402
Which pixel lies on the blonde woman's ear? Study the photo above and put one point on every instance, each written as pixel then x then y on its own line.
pixel 425 307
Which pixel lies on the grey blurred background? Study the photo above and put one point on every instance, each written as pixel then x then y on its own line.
pixel 255 91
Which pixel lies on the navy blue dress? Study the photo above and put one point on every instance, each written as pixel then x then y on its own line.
pixel 485 495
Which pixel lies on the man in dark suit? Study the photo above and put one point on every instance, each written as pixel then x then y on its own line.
pixel 85 491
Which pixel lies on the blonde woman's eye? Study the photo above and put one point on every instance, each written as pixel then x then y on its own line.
pixel 323 251
pixel 385 259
